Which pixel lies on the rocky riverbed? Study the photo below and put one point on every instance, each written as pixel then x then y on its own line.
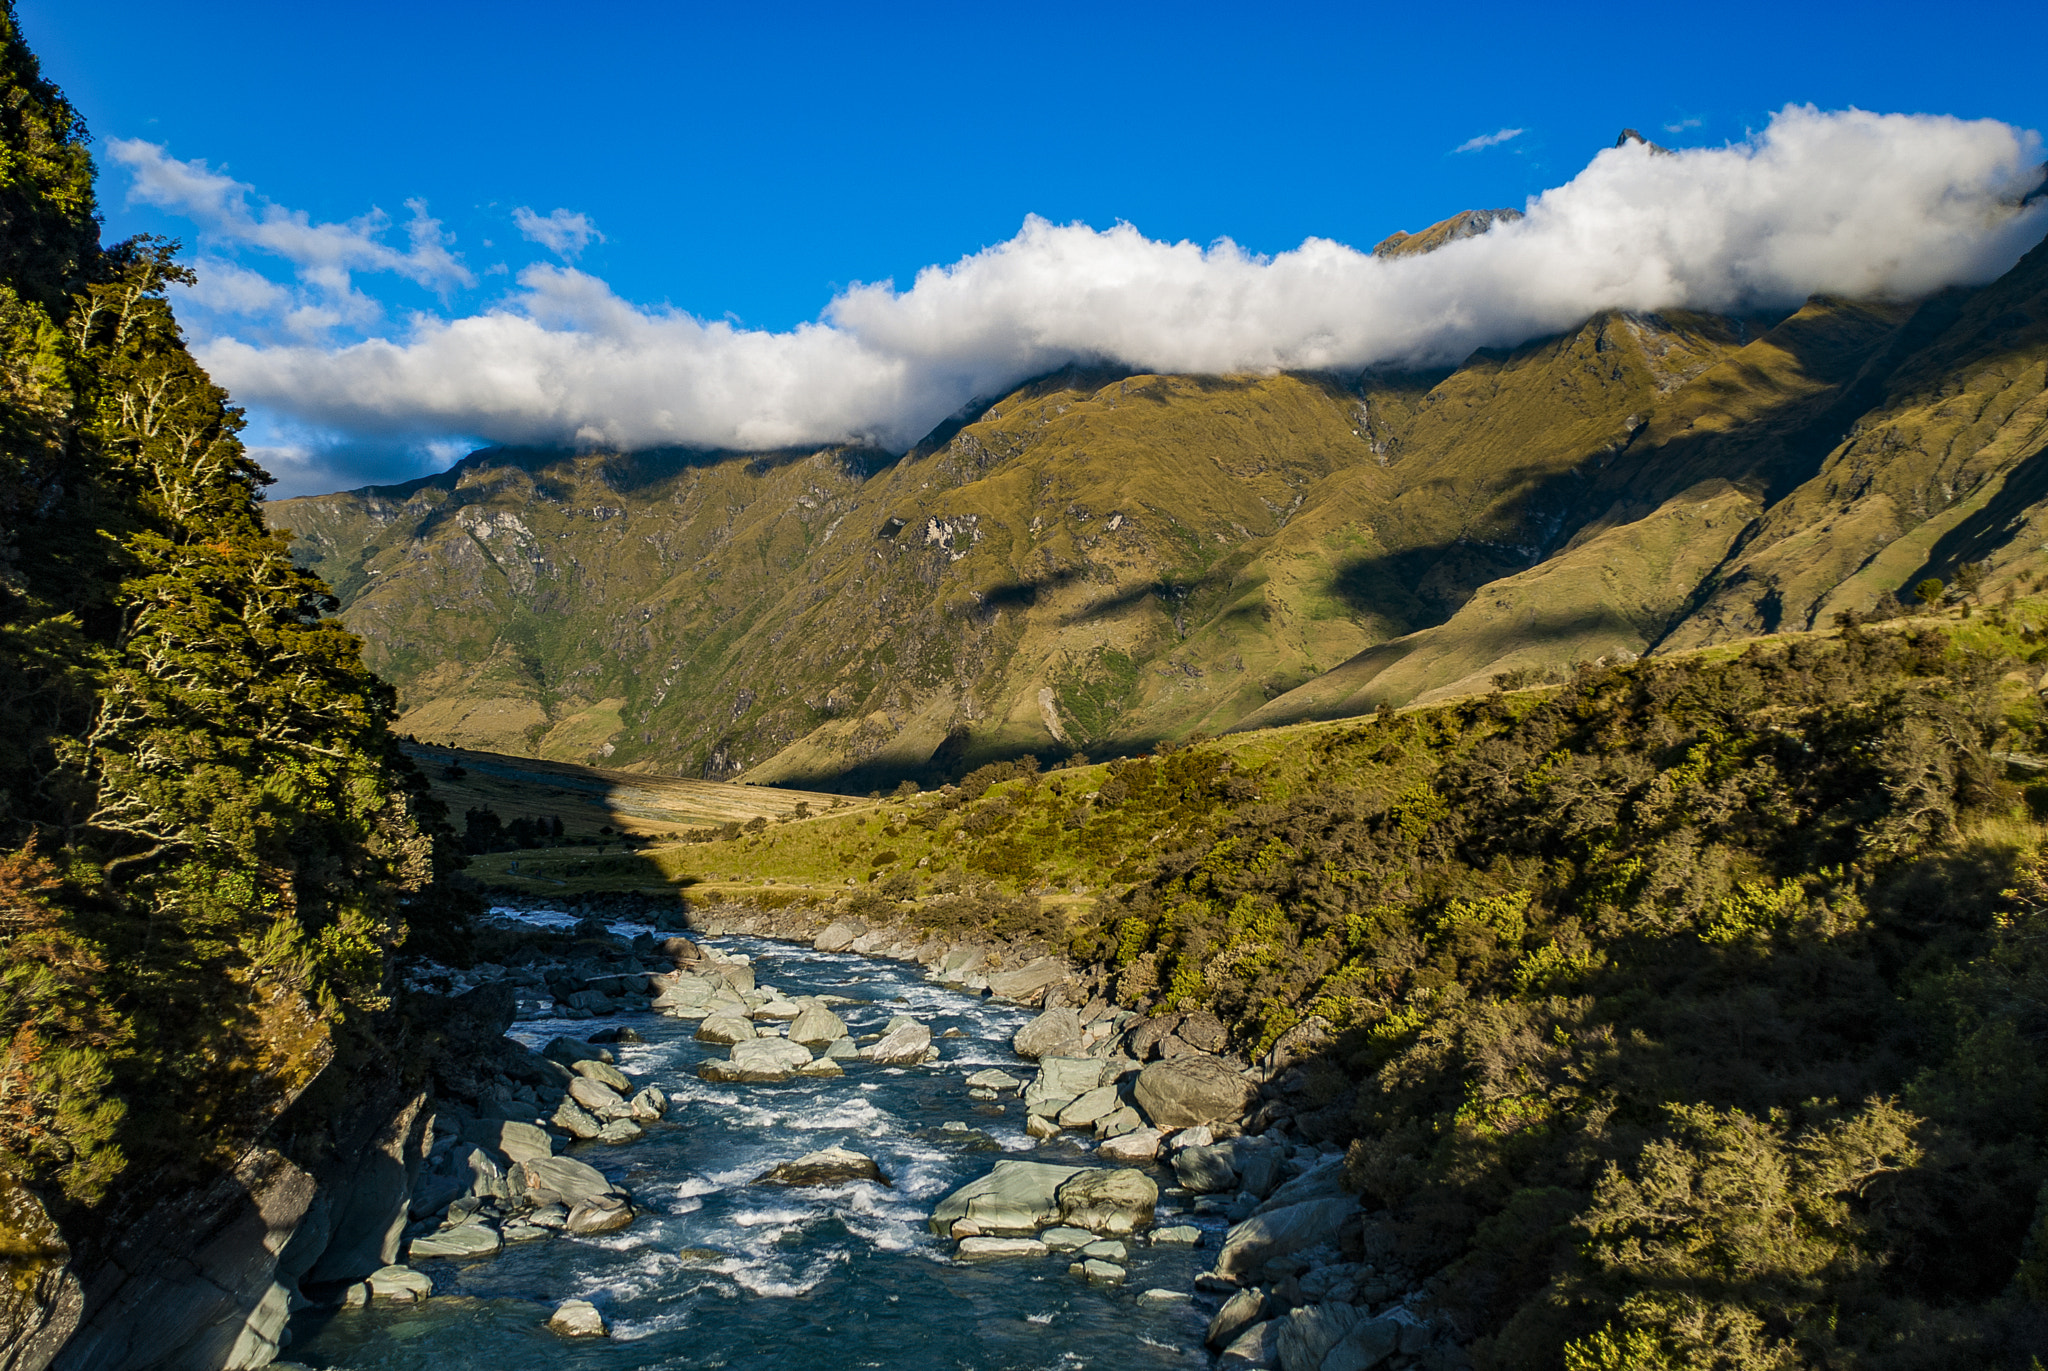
pixel 720 1150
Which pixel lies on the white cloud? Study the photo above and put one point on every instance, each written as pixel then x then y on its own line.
pixel 560 232
pixel 323 254
pixel 1488 140
pixel 1849 203
pixel 1682 125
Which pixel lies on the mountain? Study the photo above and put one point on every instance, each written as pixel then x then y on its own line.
pixel 1100 560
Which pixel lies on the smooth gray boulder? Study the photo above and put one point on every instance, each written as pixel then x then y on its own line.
pixel 577 1319
pixel 723 1030
pixel 1028 984
pixel 833 1166
pixel 1239 1312
pixel 1098 1272
pixel 1182 1091
pixel 649 1104
pixel 597 1097
pixel 1051 1034
pixel 1001 1247
pixel 517 1141
pixel 838 935
pixel 816 1026
pixel 1279 1232
pixel 1205 1170
pixel 993 1078
pixel 605 1074
pixel 1013 1198
pixel 559 1180
pixel 1137 1148
pixel 902 1046
pixel 400 1283
pixel 1061 1081
pixel 1090 1106
pixel 578 1122
pixel 761 1060
pixel 617 1131
pixel 1255 1349
pixel 1115 1200
pixel 1306 1336
pixel 599 1214
pixel 465 1242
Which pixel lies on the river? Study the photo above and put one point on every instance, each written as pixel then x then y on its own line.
pixel 719 1273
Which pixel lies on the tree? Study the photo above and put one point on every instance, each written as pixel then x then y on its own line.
pixel 1929 592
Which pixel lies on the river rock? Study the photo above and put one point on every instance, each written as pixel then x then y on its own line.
pixel 559 1180
pixel 597 1097
pixel 578 1122
pixel 725 1029
pixel 1192 1090
pixel 1061 1081
pixel 619 1131
pixel 1108 1200
pixel 908 1044
pixel 1051 1034
pixel 993 1078
pixel 465 1242
pixel 838 935
pixel 400 1283
pixel 1258 1167
pixel 1090 1106
pixel 1203 1031
pixel 1107 1249
pixel 599 1214
pixel 1263 1237
pixel 1013 1198
pixel 833 1166
pixel 1138 1148
pixel 1370 1342
pixel 578 1319
pixel 649 1104
pixel 1257 1348
pixel 842 1050
pixel 816 1026
pixel 604 1073
pixel 820 1066
pixel 1001 1247
pixel 763 1059
pixel 1028 984
pixel 1239 1312
pixel 779 1010
pixel 1099 1272
pixel 1040 1127
pixel 569 1051
pixel 517 1141
pixel 1066 1239
pixel 1205 1170
pixel 1306 1336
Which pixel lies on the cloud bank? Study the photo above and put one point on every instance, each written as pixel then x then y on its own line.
pixel 1488 140
pixel 1849 203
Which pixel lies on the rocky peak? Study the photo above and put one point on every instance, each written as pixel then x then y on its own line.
pixel 1469 224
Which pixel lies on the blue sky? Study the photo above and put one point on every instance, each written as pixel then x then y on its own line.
pixel 747 163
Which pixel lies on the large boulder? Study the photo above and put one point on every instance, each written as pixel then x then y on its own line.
pixel 1204 1031
pixel 763 1059
pixel 1014 1197
pixel 1369 1343
pixel 577 1319
pixel 604 1073
pixel 569 1051
pixel 518 1142
pixel 1307 1335
pixel 1090 1106
pixel 1184 1091
pixel 1280 1232
pixel 1108 1200
pixel 597 1097
pixel 833 1166
pixel 464 1242
pixel 1055 1033
pixel 1028 984
pixel 1239 1312
pixel 1205 1170
pixel 838 935
pixel 900 1046
pixel 724 1030
pixel 559 1180
pixel 1061 1081
pixel 816 1026
pixel 1136 1149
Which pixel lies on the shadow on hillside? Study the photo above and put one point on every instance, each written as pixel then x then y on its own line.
pixel 1167 592
pixel 2004 516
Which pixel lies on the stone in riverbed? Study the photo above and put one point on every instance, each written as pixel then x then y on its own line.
pixel 821 1066
pixel 1136 1148
pixel 779 1010
pixel 841 1050
pixel 724 1030
pixel 599 1214
pixel 1001 1247
pixel 900 1046
pixel 763 1059
pixel 569 1051
pixel 1013 1198
pixel 1205 1170
pixel 515 1231
pixel 1256 1347
pixel 1028 984
pixel 1192 1090
pixel 517 1141
pixel 1107 1249
pixel 1280 1232
pixel 1098 1272
pixel 1040 1127
pixel 578 1319
pixel 1238 1313
pixel 558 1180
pixel 993 1079
pixel 833 1166
pixel 1089 1107
pixel 816 1026
pixel 1115 1200
pixel 1061 1081
pixel 837 936
pixel 400 1283
pixel 597 1097
pixel 650 1104
pixel 578 1122
pixel 1157 1295
pixel 1066 1239
pixel 1051 1034
pixel 464 1242
pixel 605 1074
pixel 621 1131
pixel 1118 1122
pixel 1180 1235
